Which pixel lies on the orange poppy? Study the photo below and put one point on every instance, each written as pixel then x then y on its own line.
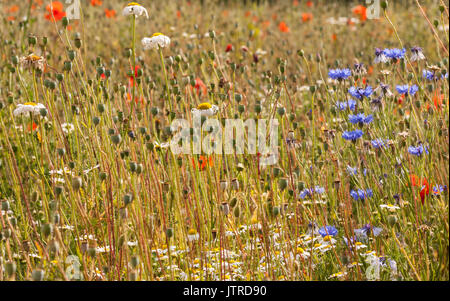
pixel 110 13
pixel 307 17
pixel 295 3
pixel 309 3
pixel 203 162
pixel 200 86
pixel 96 2
pixel 56 11
pixel 360 10
pixel 283 27
pixel 13 9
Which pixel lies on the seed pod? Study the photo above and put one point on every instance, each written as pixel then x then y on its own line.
pixel 169 232
pixel 392 220
pixel 10 268
pixel 37 275
pixel 282 183
pixel 116 139
pixel 91 251
pixel 47 229
pixel 236 211
pixel 134 261
pixel 127 199
pixel 5 206
pixel 77 183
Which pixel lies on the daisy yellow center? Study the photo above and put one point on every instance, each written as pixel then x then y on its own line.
pixel 300 250
pixel 192 232
pixel 34 57
pixel 358 244
pixel 204 106
pixel 156 34
pixel 133 4
pixel 327 238
pixel 30 104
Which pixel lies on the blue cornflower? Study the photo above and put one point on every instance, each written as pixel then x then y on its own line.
pixel 353 135
pixel 405 89
pixel 328 230
pixel 439 188
pixel 361 194
pixel 429 75
pixel 339 74
pixel 395 53
pixel 309 191
pixel 360 118
pixel 350 104
pixel 366 230
pixel 380 56
pixel 353 171
pixel 417 151
pixel 360 93
pixel 379 142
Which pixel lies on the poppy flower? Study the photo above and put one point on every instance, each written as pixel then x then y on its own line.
pixel 306 17
pixel 203 162
pixel 309 3
pixel 96 2
pixel 424 186
pixel 131 79
pixel 283 27
pixel 56 11
pixel 360 10
pixel 110 13
pixel 200 86
pixel 229 48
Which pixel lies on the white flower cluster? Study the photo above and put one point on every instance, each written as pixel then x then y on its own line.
pixel 157 40
pixel 27 108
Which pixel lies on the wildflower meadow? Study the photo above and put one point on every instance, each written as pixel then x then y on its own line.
pixel 224 140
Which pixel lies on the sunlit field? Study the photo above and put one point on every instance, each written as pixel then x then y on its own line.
pixel 92 189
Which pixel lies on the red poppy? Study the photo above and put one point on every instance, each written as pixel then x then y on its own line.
pixel 131 79
pixel 360 10
pixel 110 13
pixel 229 48
pixel 306 17
pixel 309 3
pixel 56 11
pixel 424 186
pixel 96 2
pixel 283 27
pixel 200 86
pixel 203 162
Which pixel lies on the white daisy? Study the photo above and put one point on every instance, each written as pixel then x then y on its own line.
pixel 134 8
pixel 33 60
pixel 27 108
pixel 206 109
pixel 157 40
pixel 389 207
pixel 67 128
